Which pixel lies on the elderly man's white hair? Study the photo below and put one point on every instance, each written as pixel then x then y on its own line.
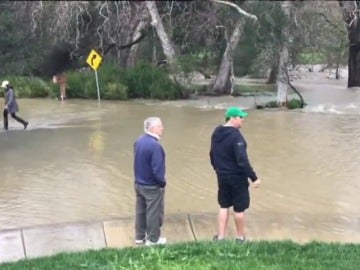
pixel 150 122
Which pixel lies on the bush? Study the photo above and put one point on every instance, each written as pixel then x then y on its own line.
pixel 147 81
pixel 113 90
pixel 253 89
pixel 109 72
pixel 294 104
pixel 27 87
pixel 165 89
pixel 142 81
pixel 81 85
pixel 311 58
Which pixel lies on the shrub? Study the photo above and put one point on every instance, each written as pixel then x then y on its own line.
pixel 110 85
pixel 165 89
pixel 114 90
pixel 109 72
pixel 81 85
pixel 271 104
pixel 142 81
pixel 26 87
pixel 294 104
pixel 147 81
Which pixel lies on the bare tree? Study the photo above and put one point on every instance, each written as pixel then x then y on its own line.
pixel 282 79
pixel 79 26
pixel 156 21
pixel 321 32
pixel 139 30
pixel 223 82
pixel 351 16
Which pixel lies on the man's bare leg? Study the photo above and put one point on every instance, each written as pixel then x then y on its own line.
pixel 239 218
pixel 223 218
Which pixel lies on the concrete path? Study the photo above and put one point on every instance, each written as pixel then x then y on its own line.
pixel 39 241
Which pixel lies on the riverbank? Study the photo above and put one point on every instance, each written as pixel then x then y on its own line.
pixel 302 198
pixel 48 240
pixel 227 255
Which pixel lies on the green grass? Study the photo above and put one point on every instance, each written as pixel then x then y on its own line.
pixel 254 89
pixel 243 89
pixel 312 58
pixel 206 255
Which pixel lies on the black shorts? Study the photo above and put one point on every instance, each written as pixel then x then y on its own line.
pixel 233 190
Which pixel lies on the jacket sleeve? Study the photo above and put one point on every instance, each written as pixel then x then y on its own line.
pixel 158 165
pixel 10 97
pixel 212 159
pixel 242 157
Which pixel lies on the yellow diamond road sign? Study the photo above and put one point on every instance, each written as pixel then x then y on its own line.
pixel 94 59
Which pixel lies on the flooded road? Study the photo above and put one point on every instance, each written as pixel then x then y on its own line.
pixel 74 162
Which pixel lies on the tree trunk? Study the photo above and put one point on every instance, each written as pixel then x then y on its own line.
pixel 131 57
pixel 282 82
pixel 223 82
pixel 272 76
pixel 351 17
pixel 354 65
pixel 164 39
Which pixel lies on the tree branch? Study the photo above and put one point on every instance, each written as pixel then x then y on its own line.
pixel 241 11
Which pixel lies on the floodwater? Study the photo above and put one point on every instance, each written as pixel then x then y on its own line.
pixel 74 162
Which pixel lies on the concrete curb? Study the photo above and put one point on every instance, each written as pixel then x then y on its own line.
pixel 47 240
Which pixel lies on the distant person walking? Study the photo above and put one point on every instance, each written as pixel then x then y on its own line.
pixel 228 156
pixel 11 106
pixel 149 170
pixel 60 79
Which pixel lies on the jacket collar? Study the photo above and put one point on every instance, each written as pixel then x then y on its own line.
pixel 153 135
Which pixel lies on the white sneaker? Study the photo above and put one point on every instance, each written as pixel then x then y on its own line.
pixel 160 241
pixel 139 241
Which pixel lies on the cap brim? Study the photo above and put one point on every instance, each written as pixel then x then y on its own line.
pixel 243 114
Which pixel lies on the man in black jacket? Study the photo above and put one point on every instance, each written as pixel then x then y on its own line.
pixel 230 161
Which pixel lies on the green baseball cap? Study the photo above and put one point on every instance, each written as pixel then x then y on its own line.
pixel 234 112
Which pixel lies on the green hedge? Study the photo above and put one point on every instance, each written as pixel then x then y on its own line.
pixel 142 81
pixel 147 81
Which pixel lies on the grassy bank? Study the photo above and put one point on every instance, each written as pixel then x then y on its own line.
pixel 206 255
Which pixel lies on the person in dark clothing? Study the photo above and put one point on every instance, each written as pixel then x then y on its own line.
pixel 228 157
pixel 149 170
pixel 11 106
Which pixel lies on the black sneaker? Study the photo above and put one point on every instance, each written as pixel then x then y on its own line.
pixel 25 125
pixel 240 240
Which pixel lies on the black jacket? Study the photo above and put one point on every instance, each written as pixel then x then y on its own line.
pixel 228 153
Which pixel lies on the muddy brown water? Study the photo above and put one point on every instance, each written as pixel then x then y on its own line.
pixel 74 162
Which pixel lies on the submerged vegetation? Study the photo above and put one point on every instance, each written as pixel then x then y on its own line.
pixel 141 81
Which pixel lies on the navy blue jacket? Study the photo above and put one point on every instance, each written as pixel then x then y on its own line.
pixel 149 161
pixel 228 153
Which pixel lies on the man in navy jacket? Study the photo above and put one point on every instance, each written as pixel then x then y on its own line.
pixel 229 158
pixel 149 170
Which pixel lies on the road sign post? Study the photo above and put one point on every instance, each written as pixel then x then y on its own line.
pixel 94 59
pixel 97 85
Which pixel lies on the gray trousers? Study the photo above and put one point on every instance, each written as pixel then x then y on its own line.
pixel 149 212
